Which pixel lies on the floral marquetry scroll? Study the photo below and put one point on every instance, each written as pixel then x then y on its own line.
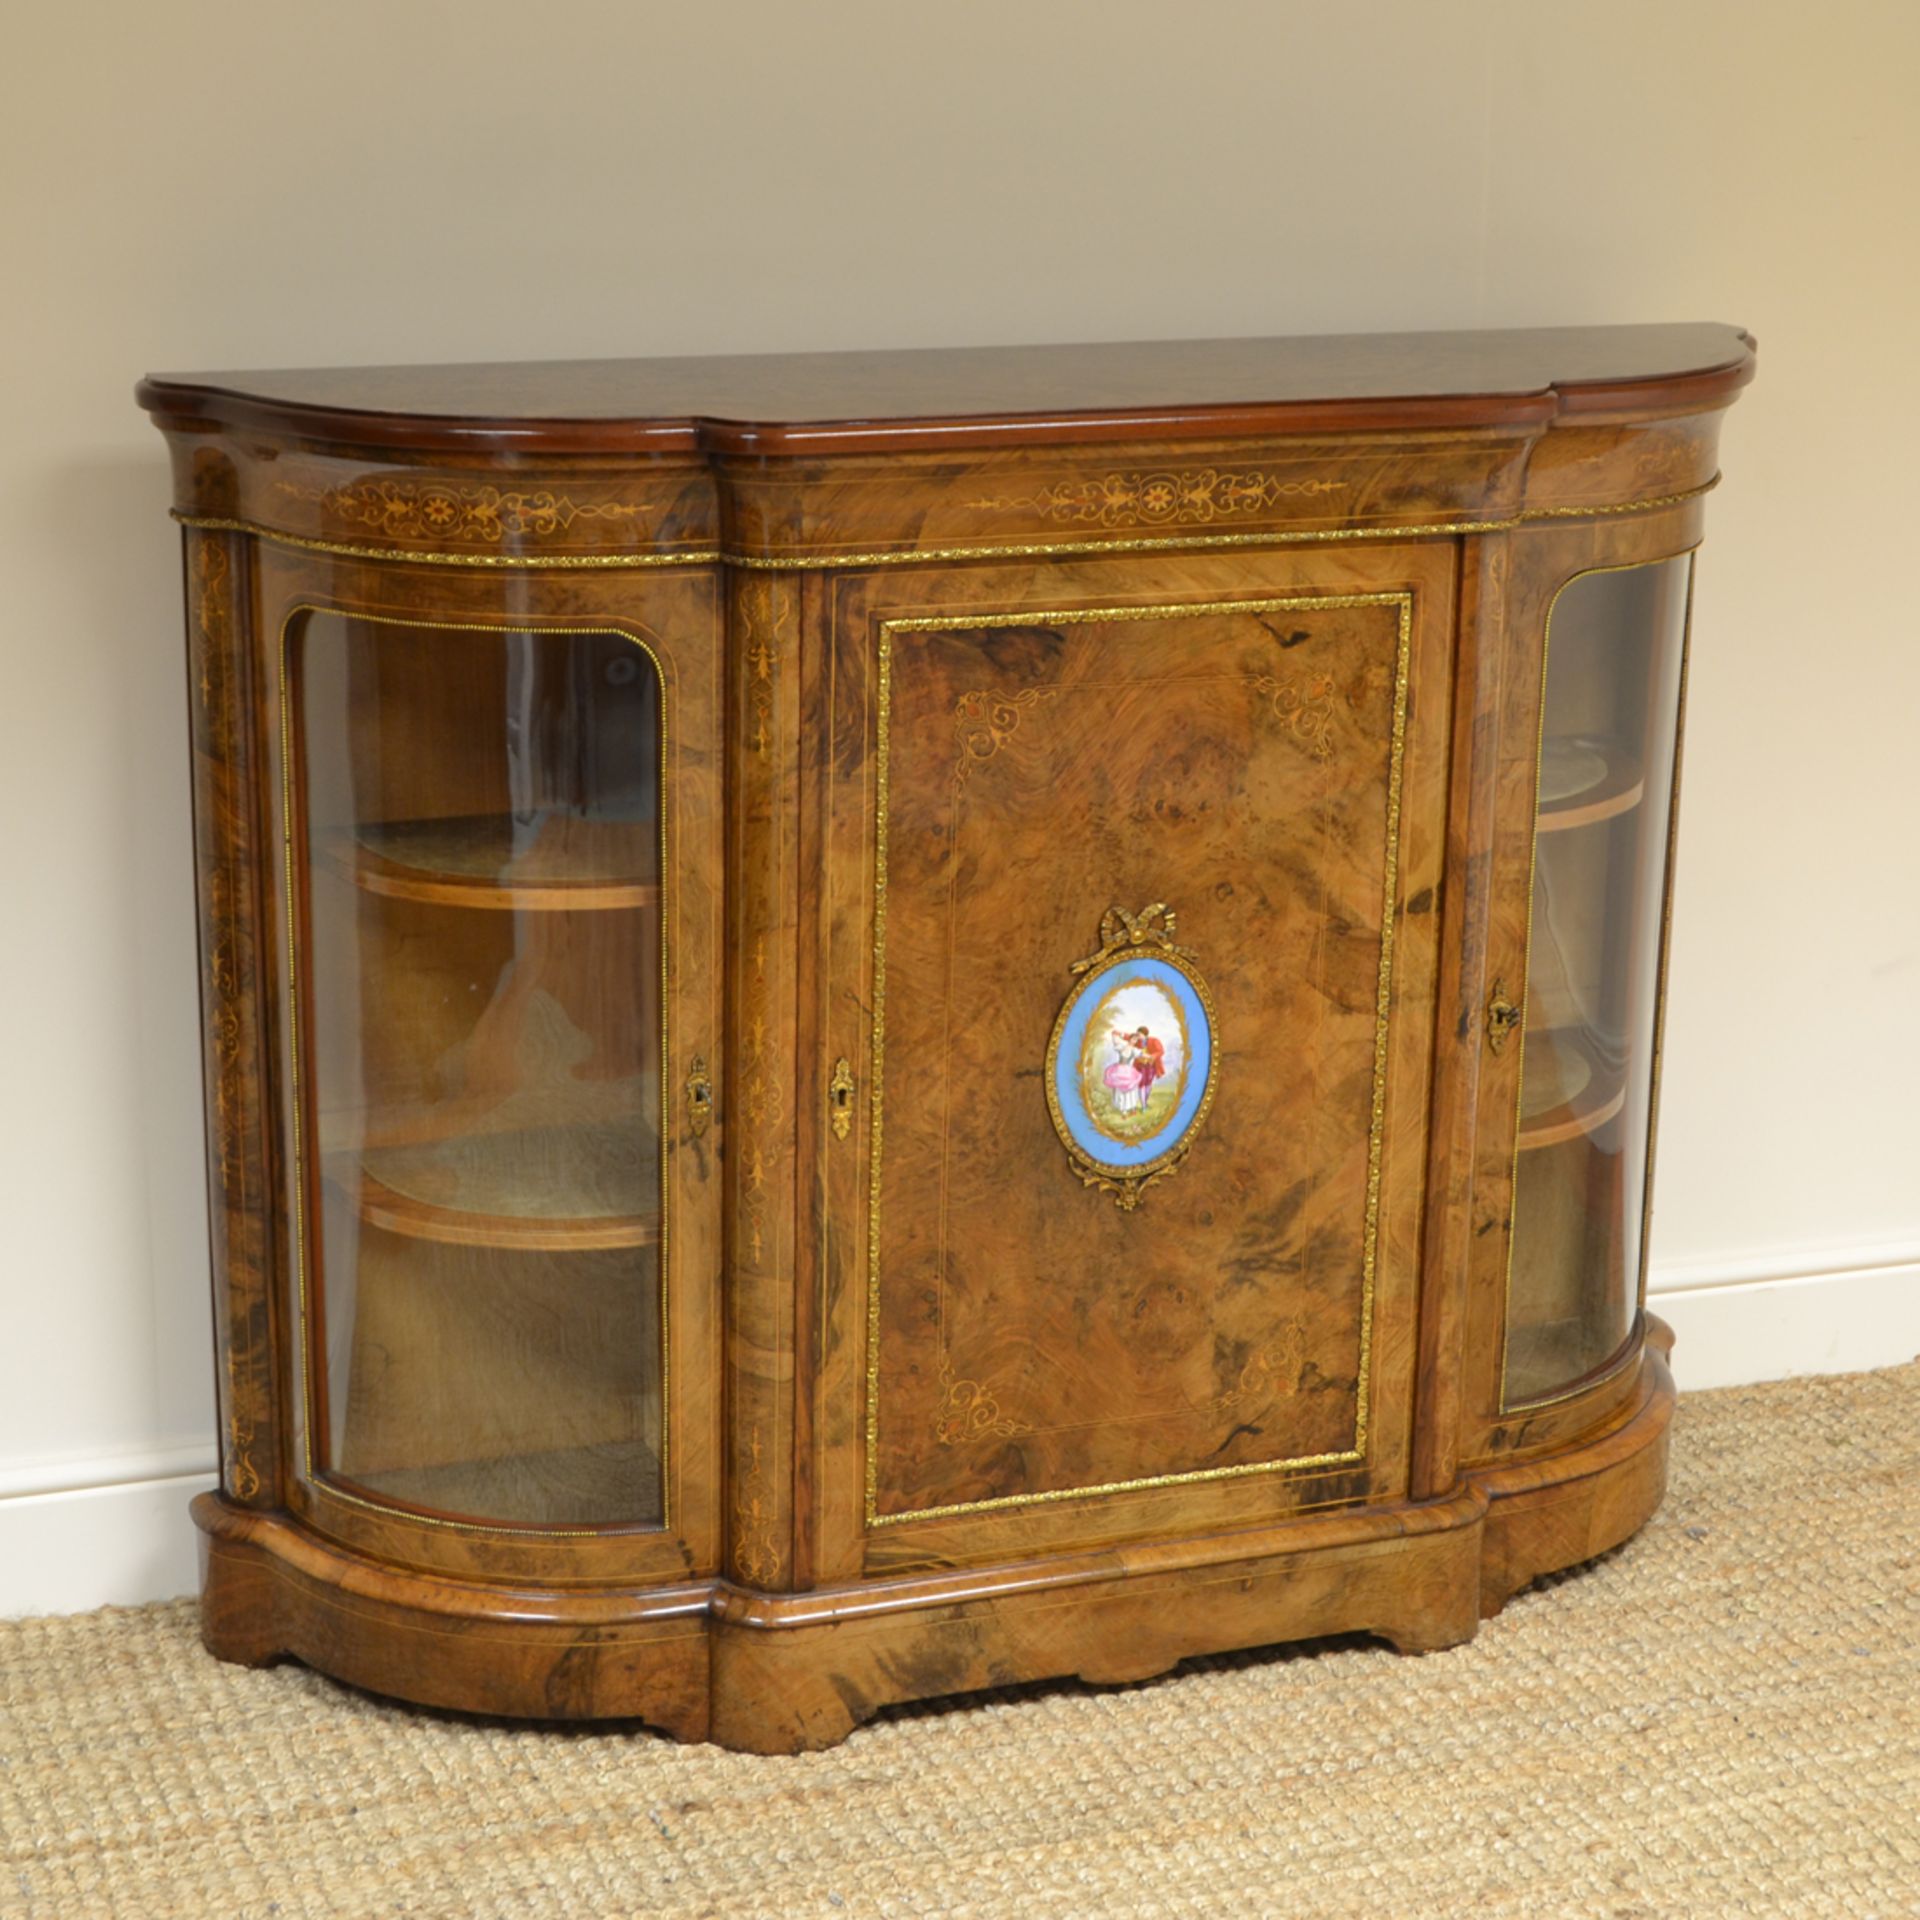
pixel 426 510
pixel 1308 711
pixel 983 723
pixel 1174 497
pixel 1130 1068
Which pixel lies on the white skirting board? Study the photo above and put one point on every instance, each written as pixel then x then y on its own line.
pixel 115 1532
pixel 1728 1331
pixel 86 1544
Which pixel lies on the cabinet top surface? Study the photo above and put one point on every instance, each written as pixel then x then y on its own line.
pixel 815 403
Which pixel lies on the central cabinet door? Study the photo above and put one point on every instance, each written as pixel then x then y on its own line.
pixel 1128 1027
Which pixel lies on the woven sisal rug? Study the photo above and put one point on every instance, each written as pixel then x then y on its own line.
pixel 1721 1718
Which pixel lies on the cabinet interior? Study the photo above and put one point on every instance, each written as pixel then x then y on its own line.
pixel 479 885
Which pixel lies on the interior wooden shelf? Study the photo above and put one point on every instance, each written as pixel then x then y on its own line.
pixel 552 1188
pixel 615 1483
pixel 1566 1089
pixel 1584 780
pixel 1547 1357
pixel 556 858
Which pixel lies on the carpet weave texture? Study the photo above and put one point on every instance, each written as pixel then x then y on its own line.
pixel 1723 1717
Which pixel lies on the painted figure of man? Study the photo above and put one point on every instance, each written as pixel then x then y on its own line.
pixel 1149 1060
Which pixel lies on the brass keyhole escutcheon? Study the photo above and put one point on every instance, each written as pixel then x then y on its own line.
pixel 1503 1015
pixel 699 1098
pixel 840 1098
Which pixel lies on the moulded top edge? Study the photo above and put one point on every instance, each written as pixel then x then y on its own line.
pixel 937 398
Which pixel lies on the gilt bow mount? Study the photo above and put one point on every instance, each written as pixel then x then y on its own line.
pixel 1120 931
pixel 1130 1067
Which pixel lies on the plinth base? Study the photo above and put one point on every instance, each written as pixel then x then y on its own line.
pixel 788 1673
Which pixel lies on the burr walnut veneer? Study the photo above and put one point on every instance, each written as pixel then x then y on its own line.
pixel 883 1023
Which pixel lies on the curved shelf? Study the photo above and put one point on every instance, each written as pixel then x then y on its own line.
pixel 1566 1089
pixel 553 1188
pixel 1550 1361
pixel 610 1483
pixel 1584 780
pixel 555 859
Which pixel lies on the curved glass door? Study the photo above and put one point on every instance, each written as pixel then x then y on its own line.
pixel 475 857
pixel 1608 738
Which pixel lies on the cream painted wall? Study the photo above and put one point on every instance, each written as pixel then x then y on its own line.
pixel 211 183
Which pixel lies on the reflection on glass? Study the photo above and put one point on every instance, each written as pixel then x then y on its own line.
pixel 477 871
pixel 1607 741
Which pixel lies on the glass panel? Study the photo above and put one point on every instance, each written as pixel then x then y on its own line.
pixel 1608 729
pixel 477 852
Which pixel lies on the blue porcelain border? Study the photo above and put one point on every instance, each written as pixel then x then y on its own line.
pixel 1087 1138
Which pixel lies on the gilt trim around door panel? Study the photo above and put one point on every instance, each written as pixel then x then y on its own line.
pixel 889 633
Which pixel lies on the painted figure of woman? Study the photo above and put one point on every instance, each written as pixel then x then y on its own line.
pixel 1123 1077
pixel 1138 1061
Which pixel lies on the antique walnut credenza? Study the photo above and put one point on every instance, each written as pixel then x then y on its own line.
pixel 882 1023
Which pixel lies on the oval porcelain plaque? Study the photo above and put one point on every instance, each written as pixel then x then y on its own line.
pixel 1130 1068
